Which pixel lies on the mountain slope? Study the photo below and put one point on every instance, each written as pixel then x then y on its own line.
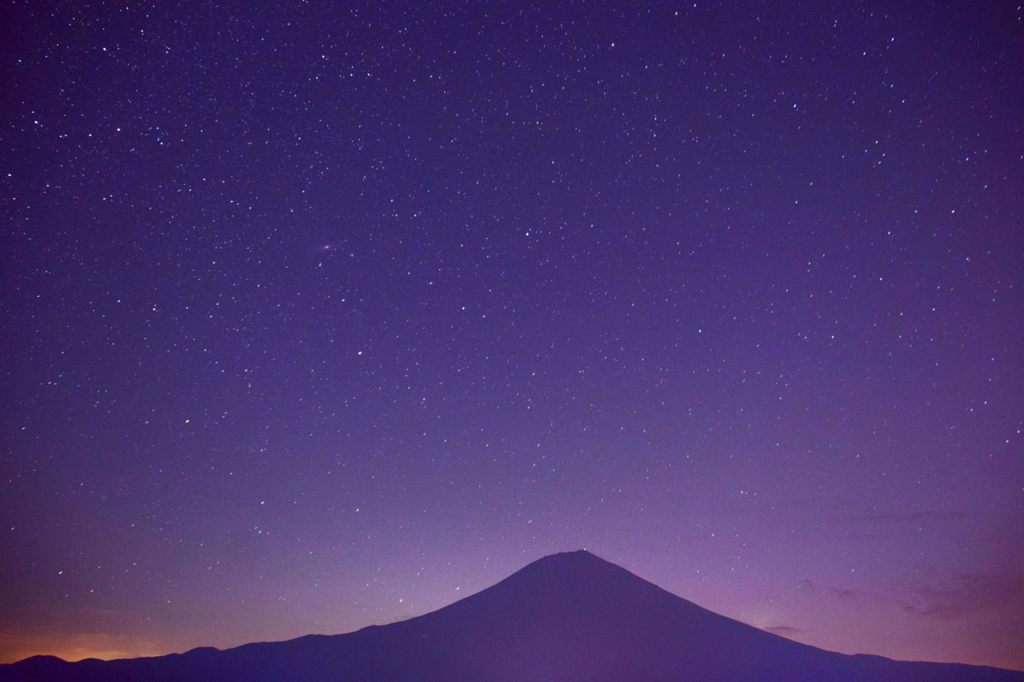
pixel 568 616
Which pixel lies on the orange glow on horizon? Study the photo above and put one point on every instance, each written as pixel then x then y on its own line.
pixel 16 647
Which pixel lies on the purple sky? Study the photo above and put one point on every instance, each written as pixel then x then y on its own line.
pixel 319 316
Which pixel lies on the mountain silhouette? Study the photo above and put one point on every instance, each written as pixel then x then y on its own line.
pixel 566 617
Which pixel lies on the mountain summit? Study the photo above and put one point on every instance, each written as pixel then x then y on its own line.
pixel 570 616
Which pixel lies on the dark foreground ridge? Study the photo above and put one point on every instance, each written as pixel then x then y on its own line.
pixel 570 616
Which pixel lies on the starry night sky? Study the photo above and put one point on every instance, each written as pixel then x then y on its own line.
pixel 317 315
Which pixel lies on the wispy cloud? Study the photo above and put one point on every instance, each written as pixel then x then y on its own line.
pixel 841 592
pixel 783 630
pixel 888 524
pixel 907 517
pixel 966 594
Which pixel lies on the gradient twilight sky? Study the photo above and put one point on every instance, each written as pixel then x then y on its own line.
pixel 317 315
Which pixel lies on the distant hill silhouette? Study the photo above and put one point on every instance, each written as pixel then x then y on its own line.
pixel 569 616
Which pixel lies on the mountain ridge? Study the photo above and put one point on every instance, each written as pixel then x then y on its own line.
pixel 566 616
